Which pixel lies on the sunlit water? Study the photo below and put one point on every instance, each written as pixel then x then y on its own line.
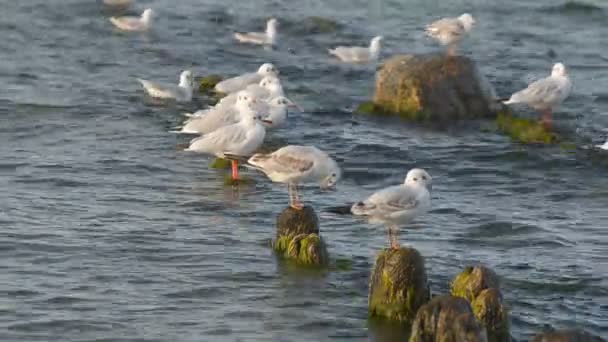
pixel 109 231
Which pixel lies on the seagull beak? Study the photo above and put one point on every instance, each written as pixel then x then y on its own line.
pixel 266 121
pixel 295 105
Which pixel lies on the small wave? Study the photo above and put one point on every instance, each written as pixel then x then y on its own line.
pixel 575 7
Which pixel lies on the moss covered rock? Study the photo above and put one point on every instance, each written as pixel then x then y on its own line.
pixel 433 87
pixel 573 335
pixel 219 163
pixel 446 318
pixel 315 24
pixel 525 130
pixel 207 83
pixel 298 237
pixel 398 285
pixel 490 310
pixel 470 282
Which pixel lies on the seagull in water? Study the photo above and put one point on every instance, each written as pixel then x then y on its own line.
pixel 129 23
pixel 399 204
pixel 449 31
pixel 294 165
pixel 239 140
pixel 545 94
pixel 357 54
pixel 180 93
pixel 603 147
pixel 238 83
pixel 260 38
pixel 275 111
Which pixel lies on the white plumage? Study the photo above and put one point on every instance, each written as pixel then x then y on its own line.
pixel 128 23
pixel 240 82
pixel 357 54
pixel 294 164
pixel 449 31
pixel 269 37
pixel 181 92
pixel 545 93
pixel 269 87
pixel 208 120
pixel 399 204
pixel 603 147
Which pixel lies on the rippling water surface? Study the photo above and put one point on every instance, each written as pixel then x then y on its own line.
pixel 110 232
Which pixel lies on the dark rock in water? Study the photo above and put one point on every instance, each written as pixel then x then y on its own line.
pixel 472 281
pixel 490 310
pixel 207 83
pixel 447 319
pixel 316 24
pixel 298 237
pixel 574 335
pixel 398 285
pixel 433 88
pixel 525 130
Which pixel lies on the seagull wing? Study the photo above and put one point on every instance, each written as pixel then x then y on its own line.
pixel 237 83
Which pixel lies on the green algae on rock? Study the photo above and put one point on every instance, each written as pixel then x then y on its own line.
pixel 207 83
pixel 470 282
pixel 433 87
pixel 398 285
pixel 447 319
pixel 525 130
pixel 298 237
pixel 219 163
pixel 490 310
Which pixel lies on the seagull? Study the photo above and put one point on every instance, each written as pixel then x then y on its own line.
pixel 240 139
pixel 209 120
pixel 399 204
pixel 603 147
pixel 449 31
pixel 180 93
pixel 545 94
pixel 357 54
pixel 294 164
pixel 269 87
pixel 129 23
pixel 276 110
pixel 237 83
pixel 260 38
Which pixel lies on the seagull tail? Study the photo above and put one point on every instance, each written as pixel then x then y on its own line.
pixel 340 209
pixel 361 209
pixel 230 156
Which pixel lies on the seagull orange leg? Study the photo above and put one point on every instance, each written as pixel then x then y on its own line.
pixel 392 238
pixel 547 118
pixel 235 170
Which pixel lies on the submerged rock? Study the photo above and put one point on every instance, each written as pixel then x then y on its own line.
pixel 398 284
pixel 447 319
pixel 433 87
pixel 207 83
pixel 298 237
pixel 573 335
pixel 480 286
pixel 525 130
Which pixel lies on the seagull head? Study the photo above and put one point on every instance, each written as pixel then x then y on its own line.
pixel 268 69
pixel 282 101
pixel 467 21
pixel 333 174
pixel 185 79
pixel 272 84
pixel 147 14
pixel 559 70
pixel 272 24
pixel 419 177
pixel 377 40
pixel 245 100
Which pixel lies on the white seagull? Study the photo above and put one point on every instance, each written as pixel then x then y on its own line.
pixel 129 23
pixel 207 121
pixel 399 204
pixel 275 111
pixel 237 83
pixel 181 92
pixel 357 54
pixel 449 31
pixel 294 165
pixel 269 87
pixel 240 139
pixel 545 94
pixel 260 38
pixel 603 147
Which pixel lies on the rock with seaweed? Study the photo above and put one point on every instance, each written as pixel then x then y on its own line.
pixel 398 285
pixel 480 286
pixel 524 130
pixel 298 238
pixel 433 87
pixel 447 319
pixel 206 84
pixel 570 335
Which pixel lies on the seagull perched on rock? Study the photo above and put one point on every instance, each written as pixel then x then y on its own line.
pixel 449 31
pixel 294 164
pixel 241 139
pixel 269 37
pixel 545 94
pixel 399 204
pixel 357 54
pixel 181 92
pixel 129 23
pixel 238 83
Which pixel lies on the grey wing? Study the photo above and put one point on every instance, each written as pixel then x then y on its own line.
pixel 398 198
pixel 237 83
pixel 351 53
pixel 282 163
pixel 223 139
pixel 544 90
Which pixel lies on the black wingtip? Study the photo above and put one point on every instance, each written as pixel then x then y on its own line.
pixel 340 210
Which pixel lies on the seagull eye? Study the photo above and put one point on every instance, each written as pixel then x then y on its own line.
pixel 415 179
